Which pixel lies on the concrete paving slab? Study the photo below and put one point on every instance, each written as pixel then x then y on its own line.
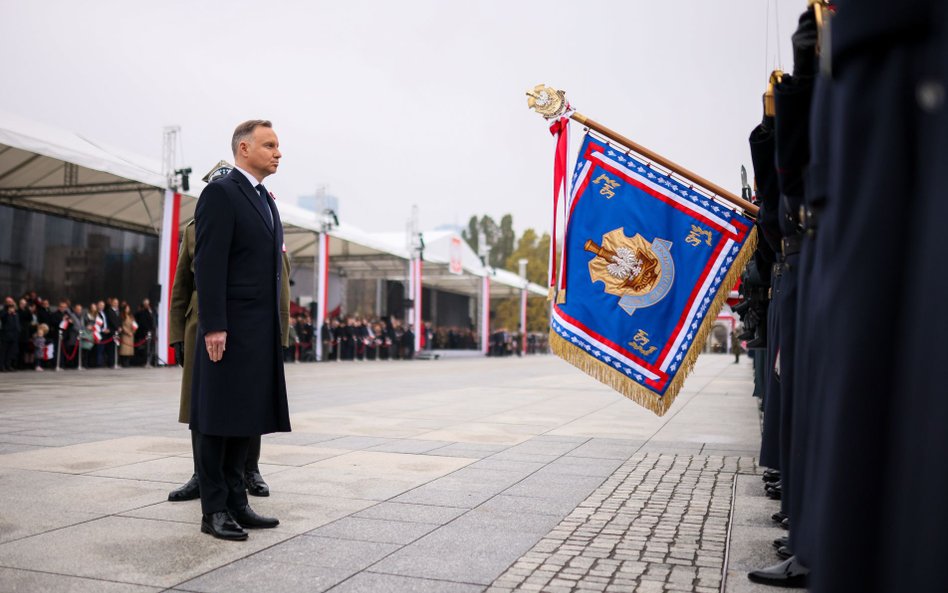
pixel 171 470
pixel 368 475
pixel 576 466
pixel 372 582
pixel 298 513
pixel 420 466
pixel 465 489
pixel 556 486
pixel 546 446
pixel 374 530
pixel 506 503
pixel 414 513
pixel 508 455
pixel 89 457
pixel 6 448
pixel 58 500
pixel 297 455
pixel 353 443
pixel 62 440
pixel 483 432
pixel 138 551
pixel 411 446
pixel 356 425
pixel 326 552
pixel 752 534
pixel 470 450
pixel 523 468
pixel 254 575
pixel 14 580
pixel 297 437
pixel 607 448
pixel 463 554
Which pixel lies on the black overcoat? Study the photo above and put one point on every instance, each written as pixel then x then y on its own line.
pixel 237 272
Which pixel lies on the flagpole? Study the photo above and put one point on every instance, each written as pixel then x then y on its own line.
pixel 551 103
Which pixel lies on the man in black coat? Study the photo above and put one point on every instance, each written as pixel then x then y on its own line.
pixel 238 390
pixel 113 321
pixel 9 334
pixel 145 318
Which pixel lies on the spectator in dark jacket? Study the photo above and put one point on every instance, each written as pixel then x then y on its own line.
pixel 9 335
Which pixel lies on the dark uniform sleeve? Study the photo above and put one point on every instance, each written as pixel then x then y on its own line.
pixel 285 302
pixel 214 218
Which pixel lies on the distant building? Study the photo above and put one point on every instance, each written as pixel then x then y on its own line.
pixel 453 227
pixel 320 201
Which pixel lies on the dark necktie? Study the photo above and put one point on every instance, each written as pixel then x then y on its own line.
pixel 266 201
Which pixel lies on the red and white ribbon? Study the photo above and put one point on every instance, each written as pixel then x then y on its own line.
pixel 560 131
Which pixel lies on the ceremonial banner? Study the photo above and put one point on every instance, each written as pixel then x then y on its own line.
pixel 649 262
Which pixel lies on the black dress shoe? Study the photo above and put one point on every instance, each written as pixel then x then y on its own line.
pixel 789 573
pixel 771 475
pixel 778 517
pixel 785 523
pixel 190 491
pixel 781 542
pixel 222 526
pixel 249 519
pixel 255 484
pixel 775 493
pixel 783 552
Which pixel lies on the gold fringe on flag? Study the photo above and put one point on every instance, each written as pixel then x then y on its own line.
pixel 640 394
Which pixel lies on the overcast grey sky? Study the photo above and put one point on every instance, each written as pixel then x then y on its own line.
pixel 398 103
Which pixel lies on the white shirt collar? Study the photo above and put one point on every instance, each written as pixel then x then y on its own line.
pixel 253 180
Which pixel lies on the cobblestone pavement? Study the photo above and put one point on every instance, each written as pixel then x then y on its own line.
pixel 659 523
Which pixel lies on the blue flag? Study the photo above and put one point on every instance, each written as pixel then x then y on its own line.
pixel 649 262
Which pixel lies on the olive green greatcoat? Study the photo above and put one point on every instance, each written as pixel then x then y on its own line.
pixel 183 319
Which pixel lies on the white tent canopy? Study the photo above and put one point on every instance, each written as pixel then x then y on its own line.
pixel 59 172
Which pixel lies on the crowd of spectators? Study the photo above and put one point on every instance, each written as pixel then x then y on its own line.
pixel 505 343
pixel 351 337
pixel 354 337
pixel 106 333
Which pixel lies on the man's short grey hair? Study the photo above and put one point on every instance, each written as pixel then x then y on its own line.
pixel 245 132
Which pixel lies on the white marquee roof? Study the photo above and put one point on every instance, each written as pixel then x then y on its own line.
pixel 60 172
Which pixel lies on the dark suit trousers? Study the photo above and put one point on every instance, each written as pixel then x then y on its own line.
pixel 253 454
pixel 220 462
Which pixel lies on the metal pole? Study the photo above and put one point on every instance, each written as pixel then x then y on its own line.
pixel 523 305
pixel 322 304
pixel 115 349
pixel 552 104
pixel 318 296
pixel 148 350
pixel 670 165
pixel 485 314
pixel 59 350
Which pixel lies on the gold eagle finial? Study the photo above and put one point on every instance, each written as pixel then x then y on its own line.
pixel 547 101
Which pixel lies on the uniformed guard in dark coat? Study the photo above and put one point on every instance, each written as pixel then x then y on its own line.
pixel 883 410
pixel 792 99
pixel 813 350
pixel 238 390
pixel 765 176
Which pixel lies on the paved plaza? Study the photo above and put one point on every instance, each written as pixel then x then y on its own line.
pixel 451 475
